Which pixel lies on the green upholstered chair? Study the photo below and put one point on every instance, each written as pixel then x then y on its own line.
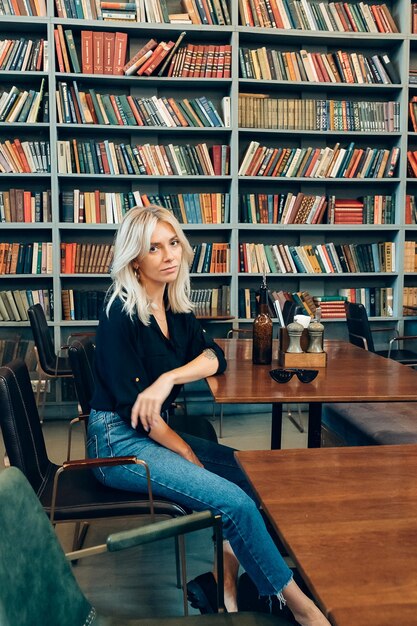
pixel 37 584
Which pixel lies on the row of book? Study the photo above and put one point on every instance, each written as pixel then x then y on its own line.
pixel 24 55
pixel 300 14
pixel 412 163
pixel 413 17
pixel 300 208
pixel 213 302
pixel 412 109
pixel 101 52
pixel 185 61
pixel 19 205
pixel 410 300
pixel 146 11
pixel 410 209
pixel 18 348
pixel 331 306
pixel 23 7
pixel 317 67
pixel 21 105
pixel 105 53
pixel 260 111
pixel 24 157
pixel 86 258
pixel 194 208
pixel 307 15
pixel 285 208
pixel 378 301
pixel 410 256
pixel 211 258
pixel 248 303
pixel 207 12
pixel 326 258
pixel 80 304
pixel 336 162
pixel 107 157
pixel 100 207
pixel 366 210
pixel 14 303
pixel 26 258
pixel 89 107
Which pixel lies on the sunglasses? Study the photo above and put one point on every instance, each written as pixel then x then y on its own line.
pixel 284 376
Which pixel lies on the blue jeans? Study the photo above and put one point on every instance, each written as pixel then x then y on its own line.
pixel 219 487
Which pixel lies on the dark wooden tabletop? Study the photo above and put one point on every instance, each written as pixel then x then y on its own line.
pixel 352 375
pixel 348 517
pixel 380 615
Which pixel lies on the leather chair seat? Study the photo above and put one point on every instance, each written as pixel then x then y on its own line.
pixel 80 496
pixel 372 423
pixel 219 619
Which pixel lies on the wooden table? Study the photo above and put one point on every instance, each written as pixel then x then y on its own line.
pixel 348 517
pixel 352 375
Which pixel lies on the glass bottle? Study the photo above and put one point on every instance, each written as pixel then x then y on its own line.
pixel 262 330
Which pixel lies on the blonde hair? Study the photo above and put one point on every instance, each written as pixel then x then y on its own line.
pixel 133 241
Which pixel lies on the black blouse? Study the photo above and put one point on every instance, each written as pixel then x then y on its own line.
pixel 131 356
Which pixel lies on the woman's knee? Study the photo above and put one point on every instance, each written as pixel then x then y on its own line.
pixel 240 508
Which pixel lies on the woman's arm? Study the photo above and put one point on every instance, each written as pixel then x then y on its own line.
pixel 147 408
pixel 168 438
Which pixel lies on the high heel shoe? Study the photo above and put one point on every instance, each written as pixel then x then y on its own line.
pixel 202 593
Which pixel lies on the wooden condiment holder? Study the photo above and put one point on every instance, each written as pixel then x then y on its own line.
pixel 301 359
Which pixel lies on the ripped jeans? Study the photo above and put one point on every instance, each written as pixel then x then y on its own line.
pixel 220 487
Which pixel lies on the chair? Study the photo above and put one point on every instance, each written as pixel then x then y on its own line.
pixel 70 492
pixel 50 365
pixel 81 356
pixel 360 334
pixel 37 583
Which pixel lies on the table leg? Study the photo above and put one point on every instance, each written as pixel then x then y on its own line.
pixel 276 426
pixel 314 425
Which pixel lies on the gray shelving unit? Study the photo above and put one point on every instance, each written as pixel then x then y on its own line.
pixel 402 49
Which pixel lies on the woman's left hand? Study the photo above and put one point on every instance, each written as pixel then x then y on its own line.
pixel 147 407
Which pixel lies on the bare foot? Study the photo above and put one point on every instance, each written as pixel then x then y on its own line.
pixel 311 617
pixel 304 610
pixel 230 595
pixel 230 572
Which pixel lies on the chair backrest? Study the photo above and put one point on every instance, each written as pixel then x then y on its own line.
pixel 20 424
pixel 288 312
pixel 36 581
pixel 81 356
pixel 42 338
pixel 359 329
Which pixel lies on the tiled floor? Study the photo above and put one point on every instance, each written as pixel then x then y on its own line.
pixel 141 582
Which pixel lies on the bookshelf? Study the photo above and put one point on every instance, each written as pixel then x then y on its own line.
pixel 401 49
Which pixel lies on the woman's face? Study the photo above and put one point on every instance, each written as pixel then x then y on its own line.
pixel 162 263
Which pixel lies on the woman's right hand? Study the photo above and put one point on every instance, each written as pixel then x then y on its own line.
pixel 165 436
pixel 189 455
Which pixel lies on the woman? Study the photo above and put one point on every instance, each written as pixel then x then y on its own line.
pixel 148 344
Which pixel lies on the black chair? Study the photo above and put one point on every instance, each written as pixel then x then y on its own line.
pixel 81 356
pixel 70 492
pixel 360 334
pixel 50 364
pixel 38 587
